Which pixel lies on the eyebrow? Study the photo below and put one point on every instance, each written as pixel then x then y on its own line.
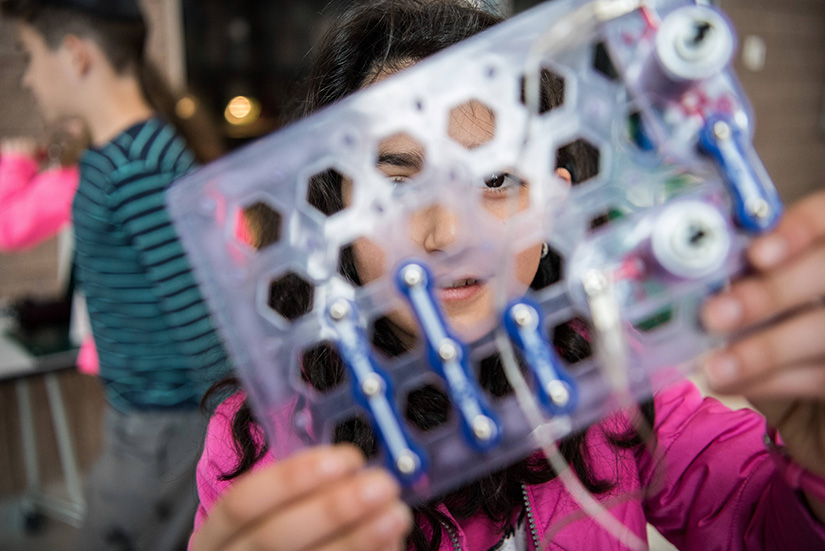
pixel 404 160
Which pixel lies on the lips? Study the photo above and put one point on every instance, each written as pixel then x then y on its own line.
pixel 460 289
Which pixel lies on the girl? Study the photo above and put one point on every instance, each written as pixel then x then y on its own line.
pixel 720 488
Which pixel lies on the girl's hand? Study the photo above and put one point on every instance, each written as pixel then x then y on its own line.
pixel 780 364
pixel 24 147
pixel 321 499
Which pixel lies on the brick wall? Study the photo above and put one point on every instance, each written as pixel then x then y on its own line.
pixel 788 93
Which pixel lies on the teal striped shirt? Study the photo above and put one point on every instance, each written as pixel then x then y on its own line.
pixel 155 339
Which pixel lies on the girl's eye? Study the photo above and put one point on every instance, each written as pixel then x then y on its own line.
pixel 502 181
pixel 398 180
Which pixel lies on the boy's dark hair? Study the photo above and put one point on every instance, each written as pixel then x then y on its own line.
pixel 121 34
pixel 383 36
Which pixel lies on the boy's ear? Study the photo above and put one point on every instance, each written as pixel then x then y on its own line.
pixel 80 54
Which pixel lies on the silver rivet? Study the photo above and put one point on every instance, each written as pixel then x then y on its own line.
pixel 721 130
pixel 338 310
pixel 759 208
pixel 406 462
pixel 482 427
pixel 371 385
pixel 447 350
pixel 523 315
pixel 413 275
pixel 558 393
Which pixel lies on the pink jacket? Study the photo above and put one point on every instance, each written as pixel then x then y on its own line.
pixel 36 206
pixel 715 489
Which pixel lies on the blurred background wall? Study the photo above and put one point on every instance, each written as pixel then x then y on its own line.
pixel 222 50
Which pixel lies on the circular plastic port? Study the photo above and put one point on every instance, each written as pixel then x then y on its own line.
pixel 694 43
pixel 691 239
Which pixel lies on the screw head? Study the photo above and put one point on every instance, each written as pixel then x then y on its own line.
pixel 447 350
pixel 523 315
pixel 372 385
pixel 759 208
pixel 722 130
pixel 483 427
pixel 407 462
pixel 413 275
pixel 338 310
pixel 558 393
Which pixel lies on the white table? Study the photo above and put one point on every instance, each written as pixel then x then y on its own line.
pixel 19 365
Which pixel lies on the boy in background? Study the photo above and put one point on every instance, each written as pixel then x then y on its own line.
pixel 157 346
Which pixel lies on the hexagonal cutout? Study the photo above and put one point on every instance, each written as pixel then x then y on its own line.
pixel 357 431
pixel 325 191
pixel 552 88
pixel 322 367
pixel 472 124
pixel 605 218
pixel 550 269
pixel 491 377
pixel 388 339
pixel 602 62
pixel 400 158
pixel 571 340
pixel 373 268
pixel 427 407
pixel 657 320
pixel 346 265
pixel 581 159
pixel 258 226
pixel 290 296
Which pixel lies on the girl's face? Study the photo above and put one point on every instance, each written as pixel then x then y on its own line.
pixel 468 299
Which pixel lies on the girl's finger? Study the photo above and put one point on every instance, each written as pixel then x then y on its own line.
pixel 332 511
pixel 259 493
pixel 797 340
pixel 759 298
pixel 806 381
pixel 802 225
pixel 384 530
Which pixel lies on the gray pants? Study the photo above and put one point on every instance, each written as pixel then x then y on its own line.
pixel 141 492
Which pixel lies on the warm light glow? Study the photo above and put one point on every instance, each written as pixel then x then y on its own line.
pixel 186 107
pixel 242 110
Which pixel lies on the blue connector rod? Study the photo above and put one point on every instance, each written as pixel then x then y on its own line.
pixel 556 389
pixel 756 202
pixel 448 357
pixel 373 391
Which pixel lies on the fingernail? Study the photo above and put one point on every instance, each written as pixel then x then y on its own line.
pixel 721 370
pixel 392 522
pixel 723 312
pixel 377 488
pixel 770 251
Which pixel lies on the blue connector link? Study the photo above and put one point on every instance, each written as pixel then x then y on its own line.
pixel 448 357
pixel 557 390
pixel 372 390
pixel 756 201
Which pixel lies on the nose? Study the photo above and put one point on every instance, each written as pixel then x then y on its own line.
pixel 435 228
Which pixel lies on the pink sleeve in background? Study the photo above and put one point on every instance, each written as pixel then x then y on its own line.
pixel 87 361
pixel 33 206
